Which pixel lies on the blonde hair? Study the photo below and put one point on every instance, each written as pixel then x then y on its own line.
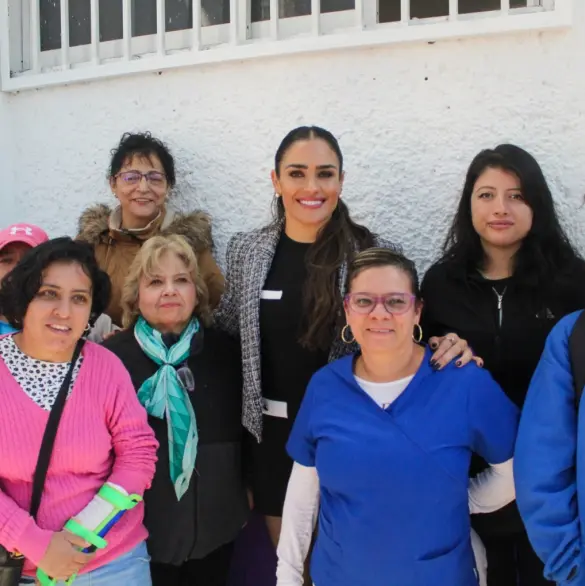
pixel 144 264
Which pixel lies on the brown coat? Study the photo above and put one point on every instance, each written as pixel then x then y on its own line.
pixel 115 249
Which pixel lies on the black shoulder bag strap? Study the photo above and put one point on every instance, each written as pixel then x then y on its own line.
pixel 12 564
pixel 50 434
pixel 577 356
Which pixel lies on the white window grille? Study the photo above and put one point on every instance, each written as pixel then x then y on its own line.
pixel 50 42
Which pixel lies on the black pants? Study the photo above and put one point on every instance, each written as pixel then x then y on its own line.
pixel 512 562
pixel 212 570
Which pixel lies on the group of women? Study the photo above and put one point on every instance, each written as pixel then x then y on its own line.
pixel 317 382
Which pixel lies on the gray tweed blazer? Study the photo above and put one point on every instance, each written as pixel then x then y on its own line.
pixel 249 258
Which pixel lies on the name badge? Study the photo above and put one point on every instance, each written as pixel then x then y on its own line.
pixel 271 294
pixel 275 408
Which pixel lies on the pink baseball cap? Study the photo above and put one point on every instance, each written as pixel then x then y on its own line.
pixel 25 233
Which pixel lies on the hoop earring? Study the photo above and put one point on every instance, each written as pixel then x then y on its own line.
pixel 420 334
pixel 87 329
pixel 343 332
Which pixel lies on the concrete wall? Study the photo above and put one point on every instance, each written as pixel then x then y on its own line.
pixel 8 206
pixel 410 118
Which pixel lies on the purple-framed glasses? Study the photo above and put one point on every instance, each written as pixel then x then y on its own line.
pixel 154 178
pixel 393 303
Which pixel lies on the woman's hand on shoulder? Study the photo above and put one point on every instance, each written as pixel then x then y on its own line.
pixel 450 347
pixel 63 557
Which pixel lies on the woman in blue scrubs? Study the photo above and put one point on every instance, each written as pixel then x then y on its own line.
pixel 382 445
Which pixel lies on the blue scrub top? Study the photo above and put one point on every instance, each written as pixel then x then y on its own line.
pixel 6 328
pixel 394 501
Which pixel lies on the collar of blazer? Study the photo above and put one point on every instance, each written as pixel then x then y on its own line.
pixel 269 238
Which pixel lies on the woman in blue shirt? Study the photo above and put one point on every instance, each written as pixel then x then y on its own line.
pixel 551 458
pixel 382 445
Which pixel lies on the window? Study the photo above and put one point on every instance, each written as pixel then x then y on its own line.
pixel 178 16
pixel 291 8
pixel 126 36
pixel 419 9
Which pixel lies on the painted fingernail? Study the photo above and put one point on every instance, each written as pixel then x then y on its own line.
pixel 433 362
pixel 436 366
pixel 458 363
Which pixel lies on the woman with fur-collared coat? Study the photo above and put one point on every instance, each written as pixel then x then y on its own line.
pixel 142 173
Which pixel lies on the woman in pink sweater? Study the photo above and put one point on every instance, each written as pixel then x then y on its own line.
pixel 53 296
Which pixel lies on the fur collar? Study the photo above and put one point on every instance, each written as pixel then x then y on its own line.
pixel 94 226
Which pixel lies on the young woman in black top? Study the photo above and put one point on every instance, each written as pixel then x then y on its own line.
pixel 508 273
pixel 285 286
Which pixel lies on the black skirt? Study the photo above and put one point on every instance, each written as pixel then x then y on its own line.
pixel 271 466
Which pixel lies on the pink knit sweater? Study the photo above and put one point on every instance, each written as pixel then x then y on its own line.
pixel 103 436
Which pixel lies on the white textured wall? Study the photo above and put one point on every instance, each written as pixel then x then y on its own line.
pixel 8 206
pixel 410 118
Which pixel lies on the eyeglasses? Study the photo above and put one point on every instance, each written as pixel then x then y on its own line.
pixel 393 303
pixel 154 178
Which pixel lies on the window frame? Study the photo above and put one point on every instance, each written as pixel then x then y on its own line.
pixel 296 35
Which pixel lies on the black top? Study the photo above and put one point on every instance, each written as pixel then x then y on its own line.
pixel 214 508
pixel 468 305
pixel 287 366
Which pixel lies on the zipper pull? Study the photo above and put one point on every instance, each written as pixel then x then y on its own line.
pixel 500 301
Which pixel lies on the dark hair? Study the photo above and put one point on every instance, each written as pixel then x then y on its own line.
pixel 383 257
pixel 546 248
pixel 23 282
pixel 142 144
pixel 337 242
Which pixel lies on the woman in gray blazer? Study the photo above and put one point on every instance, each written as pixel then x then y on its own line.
pixel 284 300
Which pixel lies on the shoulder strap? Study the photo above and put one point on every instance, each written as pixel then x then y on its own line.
pixel 576 347
pixel 46 451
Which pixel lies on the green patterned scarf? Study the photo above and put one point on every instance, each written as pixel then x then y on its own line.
pixel 163 395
